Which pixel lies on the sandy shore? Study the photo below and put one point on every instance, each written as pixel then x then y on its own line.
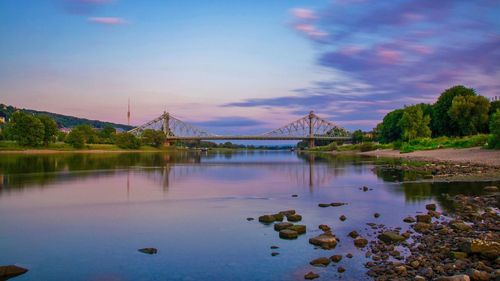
pixel 474 155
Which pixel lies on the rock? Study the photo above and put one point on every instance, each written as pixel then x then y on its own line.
pixel 424 218
pixel 478 275
pixel 149 251
pixel 430 207
pixel 325 241
pixel 10 271
pixel 301 229
pixel 337 204
pixel 349 255
pixel 391 237
pixel 409 220
pixel 311 275
pixel 340 269
pixel 342 218
pixel 419 278
pixel 274 254
pixel 324 227
pixel 295 195
pixel 353 234
pixel 288 234
pixel 360 242
pixel 294 217
pixel 490 249
pixel 490 188
pixel 458 225
pixel 323 261
pixel 282 225
pixel 365 188
pixel 458 255
pixel 462 277
pixel 250 219
pixel 376 215
pixel 274 247
pixel 267 219
pixel 287 212
pixel 278 217
pixel 400 270
pixel 421 227
pixel 336 258
pixel 324 205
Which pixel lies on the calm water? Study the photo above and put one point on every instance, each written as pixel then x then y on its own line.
pixel 83 216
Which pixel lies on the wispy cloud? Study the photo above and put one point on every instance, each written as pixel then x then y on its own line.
pixel 83 6
pixel 107 20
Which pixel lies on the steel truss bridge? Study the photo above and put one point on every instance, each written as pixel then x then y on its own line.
pixel 309 128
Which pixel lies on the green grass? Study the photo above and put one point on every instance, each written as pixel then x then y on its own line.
pixel 61 146
pixel 366 146
pixel 442 142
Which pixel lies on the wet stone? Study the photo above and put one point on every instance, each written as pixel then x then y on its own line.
pixel 424 218
pixel 337 204
pixel 323 205
pixel 490 188
pixel 342 218
pixel 288 234
pixel 274 247
pixel 376 215
pixel 353 234
pixel 267 219
pixel 340 269
pixel 282 225
pixel 301 229
pixel 278 217
pixel 274 254
pixel 324 227
pixel 149 251
pixel 391 237
pixel 250 219
pixel 430 207
pixel 294 217
pixel 323 261
pixel 336 258
pixel 311 275
pixel 325 241
pixel 360 242
pixel 421 227
pixel 409 220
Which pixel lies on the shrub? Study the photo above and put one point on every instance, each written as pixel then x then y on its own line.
pixel 127 141
pixel 366 146
pixel 75 138
pixel 494 139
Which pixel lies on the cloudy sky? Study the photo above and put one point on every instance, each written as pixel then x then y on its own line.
pixel 244 66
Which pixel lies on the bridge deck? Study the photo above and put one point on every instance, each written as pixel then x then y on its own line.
pixel 257 138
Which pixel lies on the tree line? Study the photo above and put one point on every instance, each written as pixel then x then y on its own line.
pixel 36 131
pixel 458 112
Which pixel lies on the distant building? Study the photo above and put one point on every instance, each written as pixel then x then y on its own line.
pixel 2 118
pixel 65 130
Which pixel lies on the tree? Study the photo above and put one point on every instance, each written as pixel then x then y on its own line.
pixel 153 138
pixel 494 141
pixel 89 134
pixel 26 129
pixel 128 141
pixel 442 125
pixel 470 114
pixel 107 134
pixel 357 136
pixel 75 138
pixel 49 129
pixel 414 123
pixel 390 130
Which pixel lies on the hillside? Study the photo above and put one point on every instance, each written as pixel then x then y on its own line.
pixel 63 121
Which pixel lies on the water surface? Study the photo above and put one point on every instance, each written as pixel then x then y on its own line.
pixel 83 216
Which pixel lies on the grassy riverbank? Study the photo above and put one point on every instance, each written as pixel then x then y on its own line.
pixel 11 146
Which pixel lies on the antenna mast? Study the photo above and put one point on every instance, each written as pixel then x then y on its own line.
pixel 128 113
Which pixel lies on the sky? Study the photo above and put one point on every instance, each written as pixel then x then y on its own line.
pixel 244 67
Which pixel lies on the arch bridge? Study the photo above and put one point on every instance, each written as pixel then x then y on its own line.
pixel 309 128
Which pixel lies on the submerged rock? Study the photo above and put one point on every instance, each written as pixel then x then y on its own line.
pixel 274 254
pixel 278 217
pixel 424 218
pixel 337 204
pixel 409 220
pixel 323 261
pixel 149 251
pixel 391 237
pixel 287 212
pixel 311 275
pixel 340 269
pixel 274 247
pixel 336 258
pixel 430 207
pixel 250 219
pixel 267 219
pixel 325 241
pixel 288 234
pixel 301 229
pixel 360 242
pixel 10 271
pixel 376 215
pixel 342 218
pixel 324 227
pixel 294 217
pixel 353 234
pixel 323 205
pixel 282 225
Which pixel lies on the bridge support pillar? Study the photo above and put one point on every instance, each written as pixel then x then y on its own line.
pixel 311 143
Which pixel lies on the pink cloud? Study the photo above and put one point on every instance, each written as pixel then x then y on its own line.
pixel 106 20
pixel 422 49
pixel 350 50
pixel 388 56
pixel 310 30
pixel 304 14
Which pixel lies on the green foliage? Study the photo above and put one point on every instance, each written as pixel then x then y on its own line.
pixel 89 134
pixel 470 114
pixel 329 147
pixel 76 138
pixel 442 124
pixel 153 138
pixel 107 134
pixel 49 129
pixel 494 140
pixel 127 141
pixel 414 123
pixel 357 136
pixel 443 142
pixel 26 129
pixel 390 130
pixel 61 136
pixel 494 105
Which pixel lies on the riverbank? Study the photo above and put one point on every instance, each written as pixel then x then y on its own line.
pixel 473 155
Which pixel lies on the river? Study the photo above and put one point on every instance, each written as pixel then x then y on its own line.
pixel 83 216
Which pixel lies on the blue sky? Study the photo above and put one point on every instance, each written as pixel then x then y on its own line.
pixel 244 66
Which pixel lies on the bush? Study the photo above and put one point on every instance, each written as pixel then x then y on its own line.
pixel 366 146
pixel 127 141
pixel 26 129
pixel 75 138
pixel 494 139
pixel 153 138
